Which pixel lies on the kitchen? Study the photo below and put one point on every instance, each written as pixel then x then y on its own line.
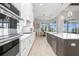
pixel 27 28
pixel 11 39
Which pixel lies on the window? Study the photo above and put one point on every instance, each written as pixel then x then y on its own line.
pixel 1 23
pixel 52 27
pixel 71 27
pixel 43 27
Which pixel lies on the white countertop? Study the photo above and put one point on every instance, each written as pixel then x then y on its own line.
pixel 65 35
pixel 25 36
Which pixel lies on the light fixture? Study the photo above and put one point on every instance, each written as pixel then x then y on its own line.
pixel 69 14
pixel 41 4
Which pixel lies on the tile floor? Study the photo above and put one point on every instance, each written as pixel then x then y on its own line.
pixel 41 48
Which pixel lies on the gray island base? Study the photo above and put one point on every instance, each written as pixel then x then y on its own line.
pixel 63 44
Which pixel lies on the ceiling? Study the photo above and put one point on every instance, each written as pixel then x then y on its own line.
pixel 48 10
pixel 45 11
pixel 74 9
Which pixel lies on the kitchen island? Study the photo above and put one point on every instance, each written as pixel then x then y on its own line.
pixel 64 44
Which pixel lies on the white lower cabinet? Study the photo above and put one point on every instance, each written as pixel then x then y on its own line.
pixel 26 44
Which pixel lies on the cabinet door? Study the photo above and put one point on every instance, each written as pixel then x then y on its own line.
pixel 24 53
pixel 53 43
pixel 23 45
pixel 27 45
pixel 29 42
pixel 48 38
pixel 60 47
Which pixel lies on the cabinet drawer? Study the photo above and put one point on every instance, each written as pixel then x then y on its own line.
pixel 71 47
pixel 23 44
pixel 72 43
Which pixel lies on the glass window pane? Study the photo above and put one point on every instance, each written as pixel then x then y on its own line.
pixel 0 25
pixel 52 27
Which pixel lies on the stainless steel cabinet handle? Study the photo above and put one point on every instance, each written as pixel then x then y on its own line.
pixel 73 44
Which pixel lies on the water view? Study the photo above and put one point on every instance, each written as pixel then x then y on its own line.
pixel 70 27
pixel 67 27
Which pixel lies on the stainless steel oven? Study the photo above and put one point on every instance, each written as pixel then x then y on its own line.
pixel 10 49
pixel 9 38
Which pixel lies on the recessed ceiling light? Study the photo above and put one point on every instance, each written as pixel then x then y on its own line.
pixel 41 4
pixel 62 3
